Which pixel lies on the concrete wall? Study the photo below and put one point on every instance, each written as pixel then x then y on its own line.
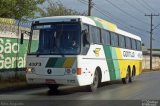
pixel 155 62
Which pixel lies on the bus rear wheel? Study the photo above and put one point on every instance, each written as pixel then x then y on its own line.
pixel 53 87
pixel 96 82
pixel 131 78
pixel 127 78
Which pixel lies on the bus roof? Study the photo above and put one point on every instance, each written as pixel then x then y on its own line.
pixel 88 20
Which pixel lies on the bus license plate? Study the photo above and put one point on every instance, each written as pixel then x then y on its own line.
pixel 50 81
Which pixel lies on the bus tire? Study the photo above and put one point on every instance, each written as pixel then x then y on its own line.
pixel 53 87
pixel 96 82
pixel 131 78
pixel 126 79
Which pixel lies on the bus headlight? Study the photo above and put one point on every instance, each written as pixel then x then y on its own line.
pixel 30 70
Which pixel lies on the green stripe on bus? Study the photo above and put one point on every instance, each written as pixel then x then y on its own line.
pixel 109 60
pixel 59 63
pixel 51 62
pixel 96 22
pixel 115 62
pixel 112 62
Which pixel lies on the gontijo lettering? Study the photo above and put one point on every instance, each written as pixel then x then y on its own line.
pixel 128 54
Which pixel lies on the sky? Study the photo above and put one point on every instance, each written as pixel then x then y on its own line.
pixel 128 15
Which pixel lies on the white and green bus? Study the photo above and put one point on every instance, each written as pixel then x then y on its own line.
pixel 81 51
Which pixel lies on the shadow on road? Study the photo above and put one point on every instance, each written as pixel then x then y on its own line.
pixel 67 91
pixel 72 90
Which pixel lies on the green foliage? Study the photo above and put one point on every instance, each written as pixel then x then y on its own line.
pixel 58 9
pixel 19 8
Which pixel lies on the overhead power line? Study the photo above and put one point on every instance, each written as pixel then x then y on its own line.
pixel 140 29
pixel 124 25
pixel 116 19
pixel 156 27
pixel 128 14
pixel 134 7
pixel 83 2
pixel 144 6
pixel 148 5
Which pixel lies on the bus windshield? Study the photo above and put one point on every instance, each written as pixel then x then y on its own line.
pixel 55 38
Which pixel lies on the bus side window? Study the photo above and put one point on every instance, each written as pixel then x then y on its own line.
pixel 128 43
pixel 114 39
pixel 133 44
pixel 138 45
pixel 121 41
pixel 105 37
pixel 95 33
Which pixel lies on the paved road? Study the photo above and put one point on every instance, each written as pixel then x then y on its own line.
pixel 145 87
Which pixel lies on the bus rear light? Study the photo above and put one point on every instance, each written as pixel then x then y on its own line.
pixel 79 71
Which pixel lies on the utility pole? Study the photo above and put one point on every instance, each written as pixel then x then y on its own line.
pixel 151 34
pixel 89 7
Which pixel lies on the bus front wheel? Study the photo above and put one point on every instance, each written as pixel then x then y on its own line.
pixel 96 81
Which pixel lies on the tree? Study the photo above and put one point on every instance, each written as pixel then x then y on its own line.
pixel 58 9
pixel 19 8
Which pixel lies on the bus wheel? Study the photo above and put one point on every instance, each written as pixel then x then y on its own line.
pixel 53 87
pixel 96 81
pixel 131 78
pixel 127 78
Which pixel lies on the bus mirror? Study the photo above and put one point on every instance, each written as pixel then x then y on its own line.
pixel 29 33
pixel 85 32
pixel 22 37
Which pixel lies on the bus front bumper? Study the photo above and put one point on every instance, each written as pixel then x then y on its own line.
pixel 74 80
